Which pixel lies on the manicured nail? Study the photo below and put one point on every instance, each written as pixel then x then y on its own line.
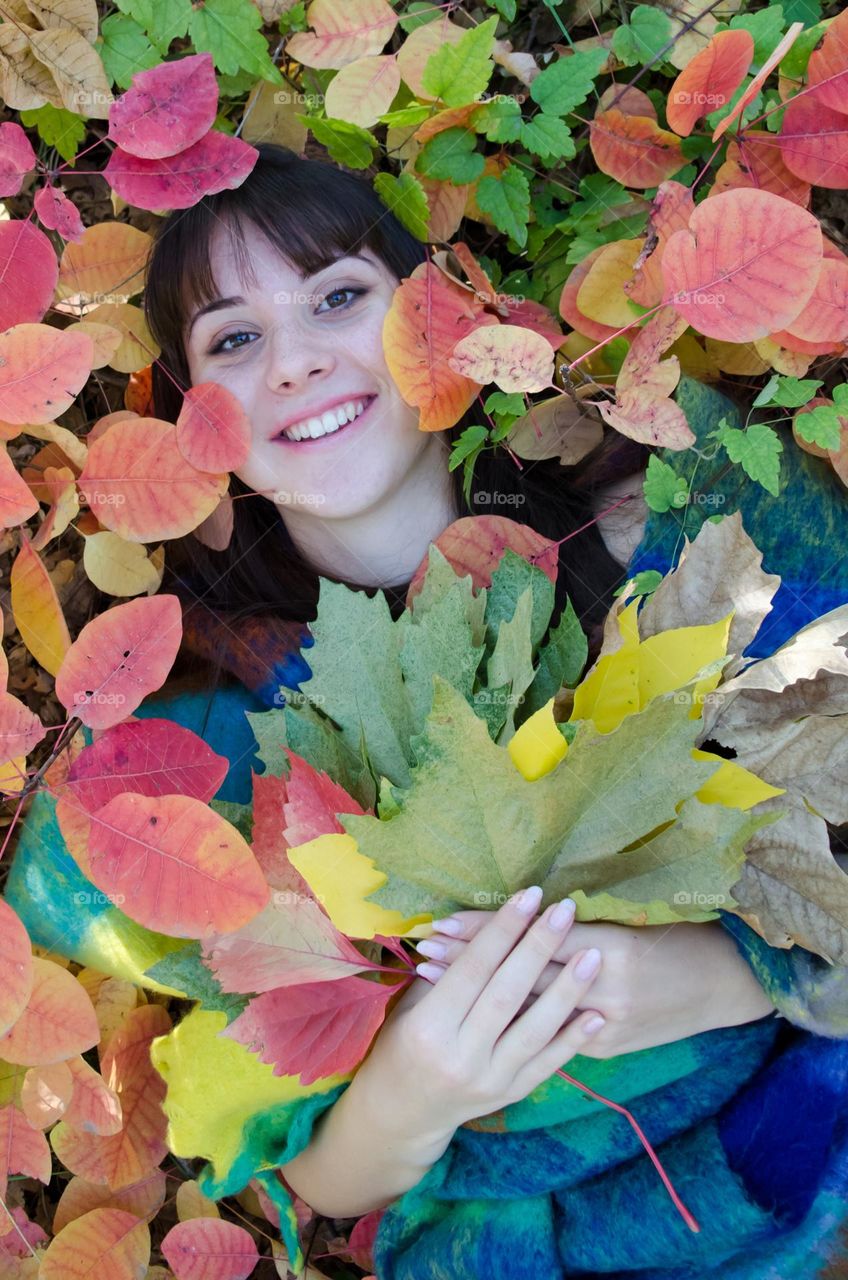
pixel 593 1025
pixel 429 947
pixel 449 925
pixel 431 971
pixel 562 914
pixel 588 964
pixel 528 900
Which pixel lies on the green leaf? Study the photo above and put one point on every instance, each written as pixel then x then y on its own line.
pixel 642 584
pixel 185 970
pixel 758 451
pixel 807 11
pixel 507 200
pixel 229 30
pixel 459 73
pixel 648 31
pixel 506 8
pixel 470 441
pixel 500 120
pixel 663 487
pixel 162 20
pixel 294 19
pixel 510 662
pixel 512 578
pixel 405 196
pixel 57 127
pixel 239 815
pixel 766 28
pixel 567 83
pixel 439 641
pixel 548 137
pixel 789 393
pixel 820 426
pixel 795 62
pixel 418 14
pixel 561 662
pixel 505 402
pixel 451 156
pixel 415 113
pixel 347 143
pixel 125 49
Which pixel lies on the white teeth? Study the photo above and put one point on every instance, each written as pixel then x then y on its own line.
pixel 329 422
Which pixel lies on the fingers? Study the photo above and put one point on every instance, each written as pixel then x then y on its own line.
pixel 470 973
pixel 537 1028
pixel 516 976
pixel 442 951
pixel 577 1037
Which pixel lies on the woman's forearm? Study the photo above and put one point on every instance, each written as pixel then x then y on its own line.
pixel 359 1157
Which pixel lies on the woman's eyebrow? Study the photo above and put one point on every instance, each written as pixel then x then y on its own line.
pixel 220 304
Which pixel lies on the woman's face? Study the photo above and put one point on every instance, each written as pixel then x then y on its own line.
pixel 293 347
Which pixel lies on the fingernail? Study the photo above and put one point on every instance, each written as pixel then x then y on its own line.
pixel 528 900
pixel 448 925
pixel 562 914
pixel 431 971
pixel 436 950
pixel 588 964
pixel 593 1025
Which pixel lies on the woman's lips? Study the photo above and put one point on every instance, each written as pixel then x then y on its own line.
pixel 332 435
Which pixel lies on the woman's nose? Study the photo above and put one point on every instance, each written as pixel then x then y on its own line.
pixel 296 359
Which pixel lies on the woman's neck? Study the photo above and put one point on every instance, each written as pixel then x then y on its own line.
pixel 384 545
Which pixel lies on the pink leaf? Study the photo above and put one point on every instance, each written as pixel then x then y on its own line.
pixel 22 1148
pixel 16 969
pixel 118 659
pixel 314 1030
pixel 29 271
pixel 312 801
pixel 59 213
pixel 167 109
pixel 213 430
pixel 17 158
pixel 215 163
pixel 17 501
pixel 209 1249
pixel 20 728
pixel 152 757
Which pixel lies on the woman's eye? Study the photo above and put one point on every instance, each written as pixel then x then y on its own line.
pixel 348 289
pixel 221 346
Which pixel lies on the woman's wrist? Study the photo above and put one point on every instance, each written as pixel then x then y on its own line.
pixel 739 997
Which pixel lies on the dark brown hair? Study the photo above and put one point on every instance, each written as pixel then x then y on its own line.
pixel 313 213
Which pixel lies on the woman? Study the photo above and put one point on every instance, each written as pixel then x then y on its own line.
pixel 241 291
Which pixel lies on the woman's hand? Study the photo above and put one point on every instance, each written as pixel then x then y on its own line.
pixel 659 982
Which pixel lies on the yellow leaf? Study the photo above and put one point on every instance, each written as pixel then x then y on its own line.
pixel 342 878
pixel 611 690
pixel 672 658
pixel 732 785
pixel 538 746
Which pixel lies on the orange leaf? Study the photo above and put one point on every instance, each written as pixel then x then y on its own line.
pixel 475 545
pixel 108 1243
pixel 641 366
pixel 57 1023
pixel 568 307
pixel 183 869
pixel 755 159
pixel 825 317
pixel 17 501
pixel 118 659
pixel 213 430
pixel 22 1149
pixel 634 149
pixel 709 80
pixel 642 415
pixel 427 318
pixel 94 1107
pixel 342 33
pixel 16 971
pixel 36 609
pixel 363 90
pixel 143 1199
pixel 746 265
pixel 122 1159
pixel 41 371
pixel 671 209
pixel 750 93
pixel 601 296
pixel 139 484
pixel 827 70
pixel 814 142
pixel 107 265
pixel 45 1094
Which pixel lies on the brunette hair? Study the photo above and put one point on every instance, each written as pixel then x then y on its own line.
pixel 313 213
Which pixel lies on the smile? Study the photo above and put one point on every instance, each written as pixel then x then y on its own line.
pixel 314 430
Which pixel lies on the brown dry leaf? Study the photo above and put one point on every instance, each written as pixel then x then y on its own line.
pixel 25 83
pixel 809 757
pixel 791 889
pixel 78 15
pixel 719 570
pixel 77 69
pixel 270 115
pixel 557 428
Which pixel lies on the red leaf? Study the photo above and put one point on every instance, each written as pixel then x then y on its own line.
pixel 312 801
pixel 16 970
pixel 22 1148
pixel 153 757
pixel 41 368
pixel 476 544
pixel 213 430
pixel 118 659
pixel 209 1249
pixel 167 108
pixel 289 943
pixel 17 158
pixel 314 1030
pixel 215 163
pixel 709 80
pixel 814 141
pixel 20 728
pixel 29 271
pixel 181 868
pixel 59 213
